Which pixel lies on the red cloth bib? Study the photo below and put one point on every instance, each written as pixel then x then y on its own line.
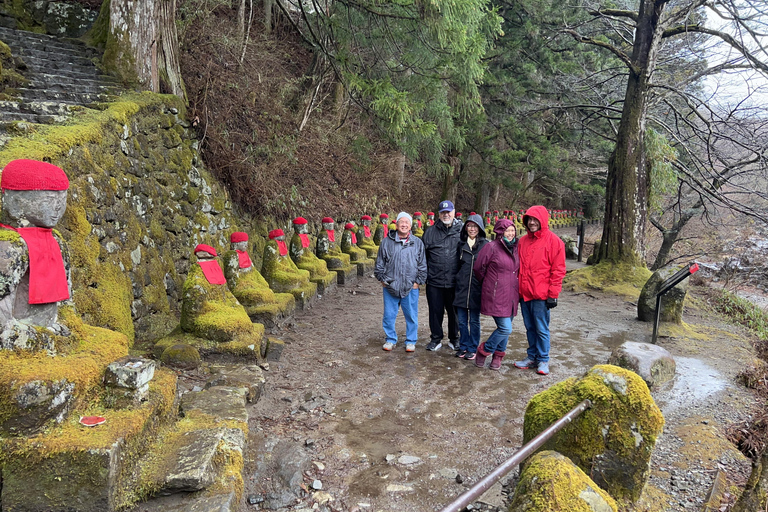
pixel 304 240
pixel 243 259
pixel 354 238
pixel 331 235
pixel 47 276
pixel 282 247
pixel 212 271
pixel 367 231
pixel 418 223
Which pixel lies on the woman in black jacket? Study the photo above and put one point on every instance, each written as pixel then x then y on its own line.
pixel 467 298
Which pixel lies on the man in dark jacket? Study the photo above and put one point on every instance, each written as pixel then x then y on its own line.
pixel 401 267
pixel 441 243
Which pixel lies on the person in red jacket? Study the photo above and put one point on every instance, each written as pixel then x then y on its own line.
pixel 542 268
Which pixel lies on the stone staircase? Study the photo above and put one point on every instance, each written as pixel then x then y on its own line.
pixel 62 78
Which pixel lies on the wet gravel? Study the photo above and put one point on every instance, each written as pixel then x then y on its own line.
pixel 378 431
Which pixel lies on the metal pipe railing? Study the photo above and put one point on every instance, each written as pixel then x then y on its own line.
pixel 497 474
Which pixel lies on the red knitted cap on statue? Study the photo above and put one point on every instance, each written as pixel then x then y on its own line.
pixel 238 236
pixel 366 217
pixel 383 216
pixel 276 233
pixel 25 174
pixel 327 220
pixel 431 213
pixel 349 225
pixel 299 220
pixel 205 248
pixel 417 213
pixel 472 213
pixel 487 212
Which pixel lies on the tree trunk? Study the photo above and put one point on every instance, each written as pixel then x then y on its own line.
pixel 168 61
pixel 268 5
pixel 142 44
pixel 400 168
pixel 626 195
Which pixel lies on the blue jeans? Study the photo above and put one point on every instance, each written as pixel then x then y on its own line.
pixel 536 320
pixel 469 328
pixel 497 341
pixel 410 305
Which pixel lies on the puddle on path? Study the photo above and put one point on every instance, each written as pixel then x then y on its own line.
pixel 694 381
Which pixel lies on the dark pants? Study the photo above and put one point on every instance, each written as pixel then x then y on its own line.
pixel 440 300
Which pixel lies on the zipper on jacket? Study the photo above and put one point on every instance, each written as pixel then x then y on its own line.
pixel 471 275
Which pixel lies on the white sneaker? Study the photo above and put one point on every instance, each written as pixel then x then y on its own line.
pixel 388 346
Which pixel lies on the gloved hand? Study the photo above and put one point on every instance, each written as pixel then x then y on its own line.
pixel 551 303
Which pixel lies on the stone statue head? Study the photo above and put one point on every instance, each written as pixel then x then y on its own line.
pixel 34 193
pixel 300 226
pixel 384 219
pixel 205 252
pixel 366 220
pixel 277 235
pixel 239 241
pixel 328 223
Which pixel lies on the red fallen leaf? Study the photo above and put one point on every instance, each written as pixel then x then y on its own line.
pixel 92 421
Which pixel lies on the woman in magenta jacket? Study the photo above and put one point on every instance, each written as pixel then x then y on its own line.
pixel 497 267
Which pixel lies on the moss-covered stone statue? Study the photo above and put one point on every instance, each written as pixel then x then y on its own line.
pixel 250 288
pixel 430 220
pixel 329 250
pixel 281 272
pixel 417 227
pixel 36 313
pixel 382 228
pixel 304 258
pixel 365 237
pixel 357 256
pixel 613 440
pixel 209 310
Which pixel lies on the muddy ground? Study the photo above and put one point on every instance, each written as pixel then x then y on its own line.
pixel 339 413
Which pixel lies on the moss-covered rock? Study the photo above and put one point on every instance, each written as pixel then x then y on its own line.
pixel 613 440
pixel 671 302
pixel 550 482
pixel 181 355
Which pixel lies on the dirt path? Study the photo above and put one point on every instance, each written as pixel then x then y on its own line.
pixel 354 410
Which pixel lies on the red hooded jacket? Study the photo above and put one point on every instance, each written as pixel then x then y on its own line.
pixel 542 259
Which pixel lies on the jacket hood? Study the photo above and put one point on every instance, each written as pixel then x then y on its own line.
pixel 501 226
pixel 540 213
pixel 477 220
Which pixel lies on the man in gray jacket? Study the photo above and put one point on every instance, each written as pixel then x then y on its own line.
pixel 401 267
pixel 441 243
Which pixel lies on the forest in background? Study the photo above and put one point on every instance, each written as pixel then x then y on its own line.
pixel 349 107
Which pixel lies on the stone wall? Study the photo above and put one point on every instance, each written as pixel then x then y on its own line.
pixel 140 200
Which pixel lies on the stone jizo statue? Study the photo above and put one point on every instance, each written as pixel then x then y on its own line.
pixel 281 272
pixel 327 247
pixel 365 237
pixel 382 228
pixel 34 267
pixel 302 255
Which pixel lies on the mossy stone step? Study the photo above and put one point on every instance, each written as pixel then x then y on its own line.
pixel 346 275
pixel 365 266
pixel 325 284
pixel 72 467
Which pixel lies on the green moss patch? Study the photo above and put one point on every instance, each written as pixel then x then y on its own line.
pixel 620 279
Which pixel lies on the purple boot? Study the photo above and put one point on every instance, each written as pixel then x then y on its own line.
pixel 496 361
pixel 481 356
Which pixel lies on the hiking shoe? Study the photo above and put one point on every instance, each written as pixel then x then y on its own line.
pixel 469 356
pixel 460 353
pixel 525 363
pixel 410 347
pixel 453 345
pixel 543 368
pixel 434 346
pixel 388 346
